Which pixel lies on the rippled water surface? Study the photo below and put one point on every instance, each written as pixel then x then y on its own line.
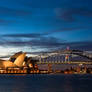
pixel 46 83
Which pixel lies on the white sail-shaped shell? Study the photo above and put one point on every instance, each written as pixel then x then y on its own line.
pixel 20 59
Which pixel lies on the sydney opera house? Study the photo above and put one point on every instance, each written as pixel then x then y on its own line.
pixel 15 61
pixel 18 63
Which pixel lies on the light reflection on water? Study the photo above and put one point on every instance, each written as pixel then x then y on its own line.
pixel 45 83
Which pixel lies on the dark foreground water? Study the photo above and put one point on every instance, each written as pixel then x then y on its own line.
pixel 46 83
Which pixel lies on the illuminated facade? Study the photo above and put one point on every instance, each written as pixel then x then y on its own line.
pixel 18 62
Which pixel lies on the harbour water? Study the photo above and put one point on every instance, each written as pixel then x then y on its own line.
pixel 46 83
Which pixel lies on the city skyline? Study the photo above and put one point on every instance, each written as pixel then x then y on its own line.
pixel 37 25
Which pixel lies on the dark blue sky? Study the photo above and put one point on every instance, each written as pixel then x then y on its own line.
pixel 41 25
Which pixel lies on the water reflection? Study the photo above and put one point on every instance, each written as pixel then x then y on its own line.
pixel 68 87
pixel 45 83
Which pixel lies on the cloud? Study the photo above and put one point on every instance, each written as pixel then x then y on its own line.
pixel 69 14
pixel 6 12
pixel 34 40
pixel 28 35
pixel 82 45
pixel 15 12
pixel 41 42
pixel 67 29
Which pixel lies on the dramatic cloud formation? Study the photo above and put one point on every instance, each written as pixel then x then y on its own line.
pixel 30 35
pixel 85 45
pixel 47 43
pixel 38 40
pixel 67 29
pixel 70 14
pixel 45 25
